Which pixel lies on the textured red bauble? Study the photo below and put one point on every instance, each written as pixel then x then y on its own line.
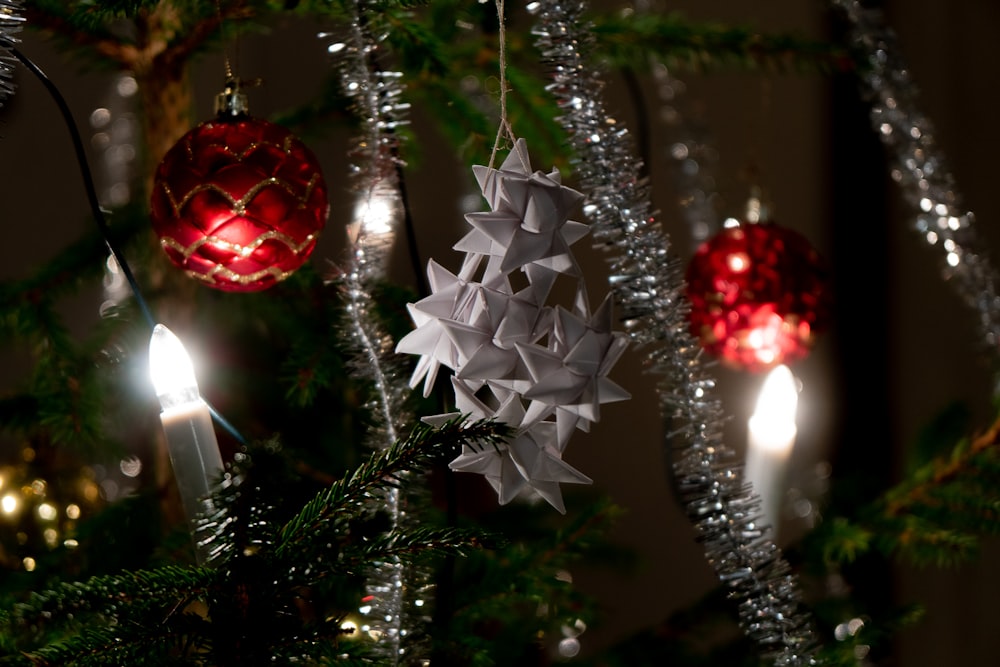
pixel 238 203
pixel 759 294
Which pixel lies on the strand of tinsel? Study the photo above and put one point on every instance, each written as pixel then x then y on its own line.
pixel 693 157
pixel 11 23
pixel 920 169
pixel 647 281
pixel 376 96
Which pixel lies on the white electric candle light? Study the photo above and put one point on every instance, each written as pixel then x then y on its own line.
pixel 771 438
pixel 187 423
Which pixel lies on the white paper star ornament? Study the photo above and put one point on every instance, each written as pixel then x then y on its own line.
pixel 541 369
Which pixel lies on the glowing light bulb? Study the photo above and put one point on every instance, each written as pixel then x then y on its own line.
pixel 738 262
pixel 774 418
pixel 9 503
pixel 376 214
pixel 171 369
pixel 771 438
pixel 187 424
pixel 349 627
pixel 47 511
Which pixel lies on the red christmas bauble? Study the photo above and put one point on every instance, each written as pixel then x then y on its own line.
pixel 238 203
pixel 759 293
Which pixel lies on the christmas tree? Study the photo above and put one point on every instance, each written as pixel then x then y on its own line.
pixel 383 293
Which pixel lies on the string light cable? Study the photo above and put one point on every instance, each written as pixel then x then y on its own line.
pixel 98 212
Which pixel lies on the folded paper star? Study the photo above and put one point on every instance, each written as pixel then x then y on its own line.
pixel 529 221
pixel 542 369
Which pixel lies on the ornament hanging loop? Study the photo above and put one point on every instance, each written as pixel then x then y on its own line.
pixel 232 103
pixel 504 132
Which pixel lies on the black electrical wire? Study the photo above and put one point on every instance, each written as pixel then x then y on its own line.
pixel 88 180
pixel 98 212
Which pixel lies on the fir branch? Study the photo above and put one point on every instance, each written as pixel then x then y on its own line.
pixel 934 517
pixel 407 545
pixel 142 589
pixel 534 113
pixel 424 446
pixel 98 645
pixel 458 119
pixel 939 472
pixel 928 543
pixel 496 589
pixel 75 31
pixel 64 273
pixel 631 39
pixel 418 48
pixel 169 32
pixel 320 115
pixel 24 303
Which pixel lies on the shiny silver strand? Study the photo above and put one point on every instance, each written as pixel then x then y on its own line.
pixel 691 154
pixel 647 281
pixel 11 23
pixel 919 167
pixel 376 96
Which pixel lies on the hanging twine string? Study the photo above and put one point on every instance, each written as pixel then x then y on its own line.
pixel 505 132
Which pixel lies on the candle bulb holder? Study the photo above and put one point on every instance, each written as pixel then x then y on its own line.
pixel 771 437
pixel 187 425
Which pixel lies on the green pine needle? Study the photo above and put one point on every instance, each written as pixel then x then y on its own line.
pixel 935 517
pixel 422 447
pixel 631 40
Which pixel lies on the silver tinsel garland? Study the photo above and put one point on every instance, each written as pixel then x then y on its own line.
pixel 691 154
pixel 11 23
pixel 395 596
pixel 647 282
pixel 919 166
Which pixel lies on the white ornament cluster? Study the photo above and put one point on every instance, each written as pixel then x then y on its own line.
pixel 542 369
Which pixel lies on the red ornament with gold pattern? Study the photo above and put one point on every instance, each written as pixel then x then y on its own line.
pixel 238 202
pixel 759 294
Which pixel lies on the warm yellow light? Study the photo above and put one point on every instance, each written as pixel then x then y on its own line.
pixel 9 503
pixel 350 628
pixel 73 511
pixel 738 262
pixel 771 439
pixel 47 512
pixel 376 214
pixel 91 491
pixel 773 422
pixel 131 466
pixel 171 369
pixel 187 425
